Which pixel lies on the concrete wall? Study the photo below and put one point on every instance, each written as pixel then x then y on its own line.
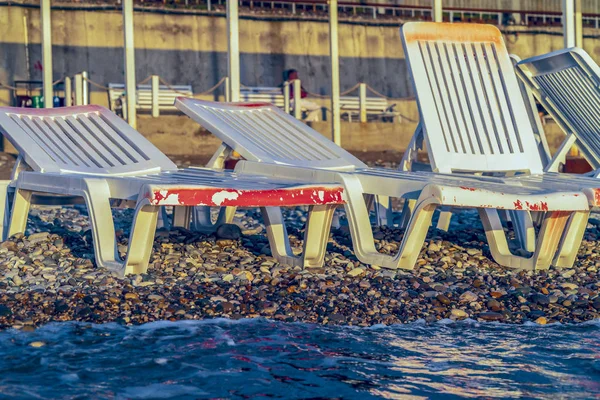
pixel 192 48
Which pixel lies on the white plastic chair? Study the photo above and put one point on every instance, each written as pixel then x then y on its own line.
pixel 88 151
pixel 276 144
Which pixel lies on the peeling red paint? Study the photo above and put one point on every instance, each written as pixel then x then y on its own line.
pixel 542 206
pixel 518 205
pixel 470 189
pixel 246 198
pixel 596 197
pixel 253 105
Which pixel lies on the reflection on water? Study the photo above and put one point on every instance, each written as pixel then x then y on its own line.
pixel 259 358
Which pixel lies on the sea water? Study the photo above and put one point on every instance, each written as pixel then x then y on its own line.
pixel 261 359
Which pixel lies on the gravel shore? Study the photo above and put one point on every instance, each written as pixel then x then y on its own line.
pixel 49 275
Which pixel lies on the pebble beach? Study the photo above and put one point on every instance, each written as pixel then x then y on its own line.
pixel 48 275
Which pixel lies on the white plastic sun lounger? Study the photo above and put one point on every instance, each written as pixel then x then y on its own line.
pixel 274 143
pixel 88 151
pixel 522 221
pixel 470 105
pixel 566 82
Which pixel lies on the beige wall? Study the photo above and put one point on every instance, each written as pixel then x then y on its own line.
pixel 191 49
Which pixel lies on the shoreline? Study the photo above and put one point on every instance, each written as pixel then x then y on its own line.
pixel 50 276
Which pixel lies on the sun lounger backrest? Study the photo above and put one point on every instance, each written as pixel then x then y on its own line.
pixel 534 118
pixel 84 139
pixel 263 132
pixel 469 101
pixel 567 83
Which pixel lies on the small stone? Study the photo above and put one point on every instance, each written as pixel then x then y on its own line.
pixel 568 274
pixel 541 321
pixel 37 344
pixel 356 272
pixel 443 299
pixel 155 297
pixel 228 277
pixel 491 316
pixel 569 286
pixel 114 300
pixel 458 314
pixel 468 297
pixel 540 299
pixel 131 296
pixel 229 231
pixel 5 311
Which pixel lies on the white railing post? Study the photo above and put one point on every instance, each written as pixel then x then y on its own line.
pixel 155 110
pixel 85 89
pixel 578 24
pixel 227 90
pixel 297 99
pixel 209 5
pixel 233 50
pixel 286 97
pixel 78 90
pixel 362 102
pixel 48 88
pixel 568 20
pixel 335 72
pixel 130 89
pixel 436 14
pixel 68 92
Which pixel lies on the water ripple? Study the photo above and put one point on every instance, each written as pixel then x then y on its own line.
pixel 265 359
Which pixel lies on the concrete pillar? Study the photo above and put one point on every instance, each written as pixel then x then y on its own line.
pixel 233 50
pixel 297 99
pixel 568 20
pixel 578 24
pixel 129 62
pixel 362 102
pixel 68 92
pixel 436 13
pixel 155 84
pixel 47 53
pixel 335 72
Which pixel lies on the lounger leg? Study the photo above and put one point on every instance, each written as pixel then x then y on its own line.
pixel 97 198
pixel 548 239
pixel 20 211
pixel 383 210
pixel 571 240
pixel 316 235
pixel 141 239
pixel 182 216
pixel 444 220
pixel 524 231
pixel 407 210
pixel 415 234
pixel 163 219
pixel 277 234
pixel 202 221
pixel 3 208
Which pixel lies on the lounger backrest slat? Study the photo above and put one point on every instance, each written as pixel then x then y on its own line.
pixel 567 83
pixel 84 139
pixel 263 132
pixel 469 101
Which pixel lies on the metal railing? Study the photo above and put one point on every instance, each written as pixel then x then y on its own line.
pixel 530 13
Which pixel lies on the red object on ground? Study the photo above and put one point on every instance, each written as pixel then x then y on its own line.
pixel 576 165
